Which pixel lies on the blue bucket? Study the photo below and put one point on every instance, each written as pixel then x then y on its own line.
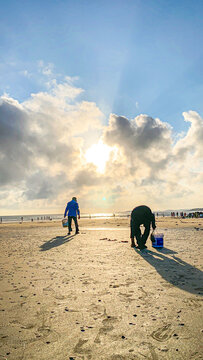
pixel 158 241
pixel 65 222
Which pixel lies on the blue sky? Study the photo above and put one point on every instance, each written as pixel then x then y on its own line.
pixel 130 57
pixel 122 80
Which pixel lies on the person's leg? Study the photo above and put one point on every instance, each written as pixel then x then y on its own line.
pixel 138 235
pixel 132 232
pixel 76 224
pixel 146 234
pixel 69 224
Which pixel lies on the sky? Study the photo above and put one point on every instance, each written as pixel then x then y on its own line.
pixel 101 100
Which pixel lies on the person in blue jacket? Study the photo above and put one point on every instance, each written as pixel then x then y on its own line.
pixel 73 210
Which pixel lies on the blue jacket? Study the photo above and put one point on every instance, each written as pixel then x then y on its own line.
pixel 72 208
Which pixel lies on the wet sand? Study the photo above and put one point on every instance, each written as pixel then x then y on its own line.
pixel 91 296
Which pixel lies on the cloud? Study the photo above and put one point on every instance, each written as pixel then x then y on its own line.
pixel 41 141
pixel 15 152
pixel 26 73
pixel 59 106
pixel 141 134
pixel 89 177
pixel 150 165
pixel 28 142
pixel 192 142
pixel 41 186
pixel 45 69
pixel 140 140
pixel 42 161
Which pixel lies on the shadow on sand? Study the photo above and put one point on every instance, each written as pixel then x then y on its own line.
pixel 57 241
pixel 174 270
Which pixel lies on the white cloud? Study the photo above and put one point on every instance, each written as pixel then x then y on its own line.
pixel 26 73
pixel 46 70
pixel 161 171
pixel 42 160
pixel 140 139
pixel 40 144
pixel 193 140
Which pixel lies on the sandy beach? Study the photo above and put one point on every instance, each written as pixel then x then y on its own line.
pixel 92 296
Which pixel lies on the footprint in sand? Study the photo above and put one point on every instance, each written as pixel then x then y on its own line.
pixel 193 303
pixel 126 297
pixel 109 320
pixel 103 331
pixel 56 295
pixel 80 349
pixel 18 290
pixel 163 333
pixel 108 323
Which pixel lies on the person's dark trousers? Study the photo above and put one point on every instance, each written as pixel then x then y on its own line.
pixel 135 231
pixel 75 221
pixel 138 236
pixel 145 234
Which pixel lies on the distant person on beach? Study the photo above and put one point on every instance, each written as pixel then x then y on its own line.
pixel 73 210
pixel 141 215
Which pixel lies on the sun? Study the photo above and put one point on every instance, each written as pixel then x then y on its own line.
pixel 98 154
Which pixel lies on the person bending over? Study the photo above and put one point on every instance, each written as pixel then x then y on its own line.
pixel 141 215
pixel 73 210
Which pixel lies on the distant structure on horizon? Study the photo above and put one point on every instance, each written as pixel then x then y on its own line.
pixel 196 209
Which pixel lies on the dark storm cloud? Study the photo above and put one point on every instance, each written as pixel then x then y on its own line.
pixel 15 152
pixel 41 186
pixel 22 147
pixel 88 177
pixel 140 134
pixel 143 140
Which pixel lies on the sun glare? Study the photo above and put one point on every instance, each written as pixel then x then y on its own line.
pixel 98 154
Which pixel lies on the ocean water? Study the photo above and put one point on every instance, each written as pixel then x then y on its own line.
pixel 54 217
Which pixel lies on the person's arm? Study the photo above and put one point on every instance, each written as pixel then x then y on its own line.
pixel 78 211
pixel 66 211
pixel 153 222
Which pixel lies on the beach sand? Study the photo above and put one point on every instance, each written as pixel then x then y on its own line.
pixel 92 296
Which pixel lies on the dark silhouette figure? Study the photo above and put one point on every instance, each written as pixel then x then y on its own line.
pixel 141 215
